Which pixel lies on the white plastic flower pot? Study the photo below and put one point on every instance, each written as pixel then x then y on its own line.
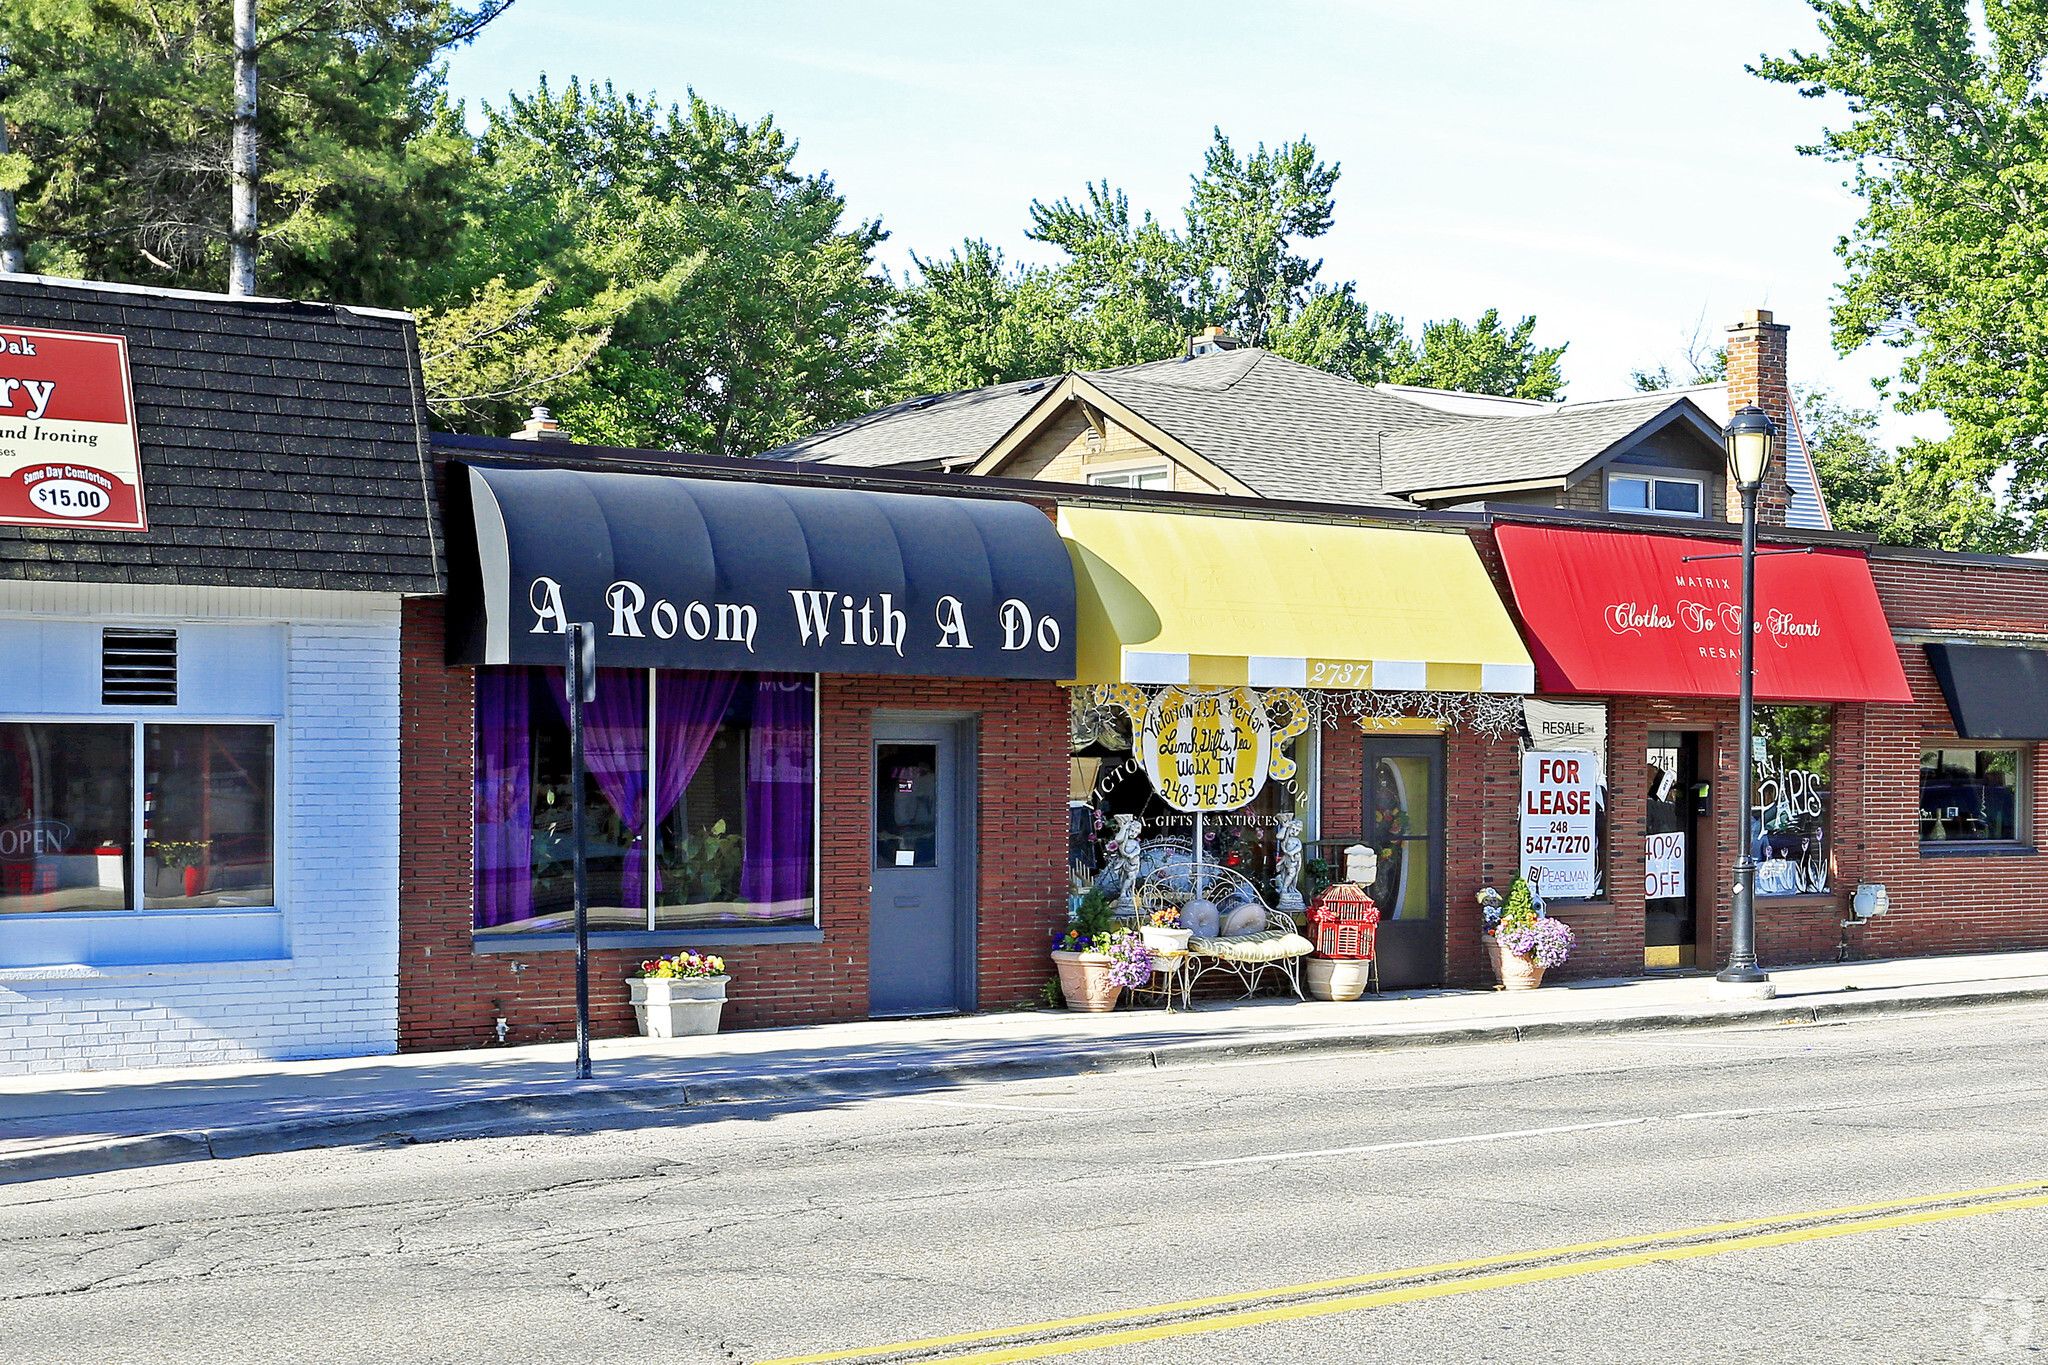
pixel 677 1006
pixel 1168 941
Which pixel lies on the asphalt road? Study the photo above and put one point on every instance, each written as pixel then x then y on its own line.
pixel 1569 1201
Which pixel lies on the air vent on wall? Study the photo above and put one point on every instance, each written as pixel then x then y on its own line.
pixel 139 668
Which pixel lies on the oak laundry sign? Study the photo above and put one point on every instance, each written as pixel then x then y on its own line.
pixel 68 452
pixel 681 572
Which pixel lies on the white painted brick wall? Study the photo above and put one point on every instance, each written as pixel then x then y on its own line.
pixel 337 756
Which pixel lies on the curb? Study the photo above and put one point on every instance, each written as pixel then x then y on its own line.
pixel 438 1121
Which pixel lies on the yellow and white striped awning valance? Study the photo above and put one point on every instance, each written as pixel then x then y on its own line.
pixel 1231 601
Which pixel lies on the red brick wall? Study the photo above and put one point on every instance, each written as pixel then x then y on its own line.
pixel 449 997
pixel 1943 904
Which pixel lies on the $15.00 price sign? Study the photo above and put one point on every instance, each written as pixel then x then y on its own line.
pixel 1558 802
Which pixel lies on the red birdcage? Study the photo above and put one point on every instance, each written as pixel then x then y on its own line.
pixel 1346 921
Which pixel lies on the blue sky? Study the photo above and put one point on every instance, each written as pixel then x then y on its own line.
pixel 1608 167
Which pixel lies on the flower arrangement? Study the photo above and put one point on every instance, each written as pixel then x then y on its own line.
pixel 176 853
pixel 1130 961
pixel 1547 940
pixel 682 964
pixel 1165 917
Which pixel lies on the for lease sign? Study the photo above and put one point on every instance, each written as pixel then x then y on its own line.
pixel 68 454
pixel 1557 820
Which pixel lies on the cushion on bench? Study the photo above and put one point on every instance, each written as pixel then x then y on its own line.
pixel 1267 946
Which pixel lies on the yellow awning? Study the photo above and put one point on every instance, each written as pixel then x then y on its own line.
pixel 1229 601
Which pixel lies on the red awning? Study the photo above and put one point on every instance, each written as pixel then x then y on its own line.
pixel 1622 613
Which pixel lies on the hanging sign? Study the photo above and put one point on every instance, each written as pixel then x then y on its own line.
pixel 68 451
pixel 1206 750
pixel 1558 802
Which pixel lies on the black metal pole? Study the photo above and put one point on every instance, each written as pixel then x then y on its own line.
pixel 572 679
pixel 1742 969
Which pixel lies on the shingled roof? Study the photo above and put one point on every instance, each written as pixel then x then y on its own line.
pixel 921 432
pixel 1553 443
pixel 1280 428
pixel 282 444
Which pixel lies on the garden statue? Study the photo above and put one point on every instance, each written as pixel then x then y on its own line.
pixel 1287 866
pixel 1127 856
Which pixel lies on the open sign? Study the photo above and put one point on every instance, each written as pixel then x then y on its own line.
pixel 26 839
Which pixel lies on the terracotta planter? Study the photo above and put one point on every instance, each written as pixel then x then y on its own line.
pixel 1519 973
pixel 1167 941
pixel 1492 946
pixel 1084 981
pixel 1337 978
pixel 677 1006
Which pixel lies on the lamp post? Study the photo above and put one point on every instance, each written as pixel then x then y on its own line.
pixel 1750 438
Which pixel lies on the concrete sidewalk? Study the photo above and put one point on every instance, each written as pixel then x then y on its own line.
pixel 77 1123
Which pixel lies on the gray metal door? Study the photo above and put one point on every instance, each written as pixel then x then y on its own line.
pixel 922 850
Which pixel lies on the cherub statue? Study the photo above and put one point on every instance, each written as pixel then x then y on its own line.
pixel 1127 856
pixel 1287 866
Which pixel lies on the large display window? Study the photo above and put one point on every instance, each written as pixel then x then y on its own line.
pixel 1791 807
pixel 1973 796
pixel 75 804
pixel 700 796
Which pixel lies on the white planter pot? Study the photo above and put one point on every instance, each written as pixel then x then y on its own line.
pixel 677 1006
pixel 1165 940
pixel 1336 978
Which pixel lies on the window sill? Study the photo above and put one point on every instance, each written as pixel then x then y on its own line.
pixel 636 939
pixel 1983 850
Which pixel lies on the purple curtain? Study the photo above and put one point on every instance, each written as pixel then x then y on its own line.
pixel 504 798
pixel 615 753
pixel 689 707
pixel 777 866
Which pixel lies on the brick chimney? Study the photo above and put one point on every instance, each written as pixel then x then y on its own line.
pixel 1756 374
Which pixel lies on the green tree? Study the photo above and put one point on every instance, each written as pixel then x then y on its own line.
pixel 1131 289
pixel 1909 497
pixel 1486 357
pixel 1948 137
pixel 119 115
pixel 738 309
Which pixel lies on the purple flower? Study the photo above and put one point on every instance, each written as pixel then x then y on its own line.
pixel 1130 961
pixel 1548 941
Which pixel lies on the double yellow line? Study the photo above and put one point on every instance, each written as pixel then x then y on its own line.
pixel 1194 1317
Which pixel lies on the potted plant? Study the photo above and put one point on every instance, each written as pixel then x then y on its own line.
pixel 1097 957
pixel 1163 932
pixel 1530 942
pixel 680 995
pixel 1489 920
pixel 186 855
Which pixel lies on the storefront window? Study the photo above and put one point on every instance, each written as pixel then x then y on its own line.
pixel 1790 816
pixel 720 767
pixel 207 825
pixel 69 815
pixel 67 808
pixel 1972 796
pixel 1108 781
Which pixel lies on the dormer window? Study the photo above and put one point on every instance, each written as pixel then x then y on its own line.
pixel 1660 496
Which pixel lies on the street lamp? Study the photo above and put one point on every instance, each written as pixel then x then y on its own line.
pixel 1750 438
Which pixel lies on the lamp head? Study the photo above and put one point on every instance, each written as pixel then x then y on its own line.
pixel 1751 438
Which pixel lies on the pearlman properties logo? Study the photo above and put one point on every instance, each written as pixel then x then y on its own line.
pixel 68 450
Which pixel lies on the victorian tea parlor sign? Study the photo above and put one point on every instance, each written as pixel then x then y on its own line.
pixel 68 452
pixel 1206 751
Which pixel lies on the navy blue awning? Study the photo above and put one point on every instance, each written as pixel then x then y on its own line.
pixel 679 572
pixel 1993 691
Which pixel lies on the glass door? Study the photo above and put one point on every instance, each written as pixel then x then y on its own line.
pixel 1670 854
pixel 1404 814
